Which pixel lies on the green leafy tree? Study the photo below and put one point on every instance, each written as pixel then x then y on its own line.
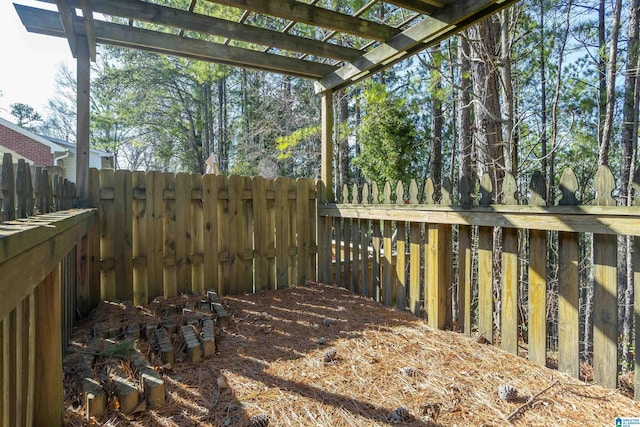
pixel 388 138
pixel 26 115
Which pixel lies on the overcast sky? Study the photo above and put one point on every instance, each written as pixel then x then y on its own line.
pixel 28 62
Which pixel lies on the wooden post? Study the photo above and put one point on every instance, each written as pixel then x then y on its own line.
pixel 415 238
pixel 326 173
pixel 485 266
pixel 401 277
pixel 568 286
pixel 537 278
pixel 464 260
pixel 82 135
pixel 509 332
pixel 605 309
pixel 48 409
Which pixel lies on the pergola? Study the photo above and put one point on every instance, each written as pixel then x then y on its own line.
pixel 307 39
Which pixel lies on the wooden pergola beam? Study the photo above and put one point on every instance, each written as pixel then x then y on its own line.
pixel 67 16
pixel 452 18
pixel 317 16
pixel 427 7
pixel 47 22
pixel 189 21
pixel 87 17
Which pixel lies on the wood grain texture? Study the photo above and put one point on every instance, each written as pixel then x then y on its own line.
pixel 170 280
pixel 210 206
pixel 48 399
pixel 197 235
pixel 485 268
pixel 388 282
pixel 605 312
pixel 356 284
pixel 282 234
pixel 139 241
pixel 568 286
pixel 182 211
pixel 154 218
pixel 509 285
pixel 401 248
pixel 107 239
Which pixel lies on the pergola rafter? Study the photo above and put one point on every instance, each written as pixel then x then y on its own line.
pixel 338 47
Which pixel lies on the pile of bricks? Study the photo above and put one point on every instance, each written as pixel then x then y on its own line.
pixel 176 329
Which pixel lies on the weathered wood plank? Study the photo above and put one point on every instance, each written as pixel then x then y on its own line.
pixel 122 255
pixel 509 297
pixel 211 229
pixel 261 233
pixel 485 267
pixel 367 289
pixel 376 243
pixel 48 399
pixel 356 263
pixel 197 236
pixel 537 339
pixel 224 236
pixel 293 230
pixel 169 277
pixel 401 245
pixel 605 310
pixel 313 220
pixel 348 267
pixel 415 238
pixel 387 265
pixel 155 233
pixel 282 234
pixel 580 219
pixel 240 283
pixel 303 229
pixel 182 211
pixel 568 286
pixel 107 239
pixel 139 241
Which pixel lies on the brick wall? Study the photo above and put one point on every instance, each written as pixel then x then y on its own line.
pixel 38 153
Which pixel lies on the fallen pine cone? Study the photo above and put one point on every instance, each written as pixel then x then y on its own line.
pixel 399 415
pixel 507 392
pixel 329 355
pixel 259 420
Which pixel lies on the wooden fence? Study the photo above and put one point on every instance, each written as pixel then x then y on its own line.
pixel 422 277
pixel 166 234
pixel 38 282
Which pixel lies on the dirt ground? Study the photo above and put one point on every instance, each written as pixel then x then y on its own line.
pixel 317 355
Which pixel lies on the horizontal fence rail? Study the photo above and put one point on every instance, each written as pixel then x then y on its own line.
pixel 162 234
pixel 460 265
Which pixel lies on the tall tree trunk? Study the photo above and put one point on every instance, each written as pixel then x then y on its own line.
pixel 602 70
pixel 343 139
pixel 629 141
pixel 554 107
pixel 435 160
pixel 543 93
pixel 607 128
pixel 507 18
pixel 464 110
pixel 488 124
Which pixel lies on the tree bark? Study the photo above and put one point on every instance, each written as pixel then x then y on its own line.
pixel 607 127
pixel 629 141
pixel 488 125
pixel 464 110
pixel 435 160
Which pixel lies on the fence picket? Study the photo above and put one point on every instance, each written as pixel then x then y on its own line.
pixel 376 243
pixel 485 266
pixel 415 238
pixel 122 255
pixel 169 277
pixel 605 309
pixel 211 228
pixel 509 294
pixel 387 265
pixel 139 241
pixel 197 235
pixel 182 212
pixel 367 289
pixel 401 245
pixel 568 285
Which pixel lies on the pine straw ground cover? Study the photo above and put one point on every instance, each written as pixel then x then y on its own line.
pixel 275 358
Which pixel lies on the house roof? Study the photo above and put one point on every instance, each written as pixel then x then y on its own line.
pixel 56 145
pixel 55 148
pixel 317 39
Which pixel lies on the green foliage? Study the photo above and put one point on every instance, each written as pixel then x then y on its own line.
pixel 25 114
pixel 287 144
pixel 388 138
